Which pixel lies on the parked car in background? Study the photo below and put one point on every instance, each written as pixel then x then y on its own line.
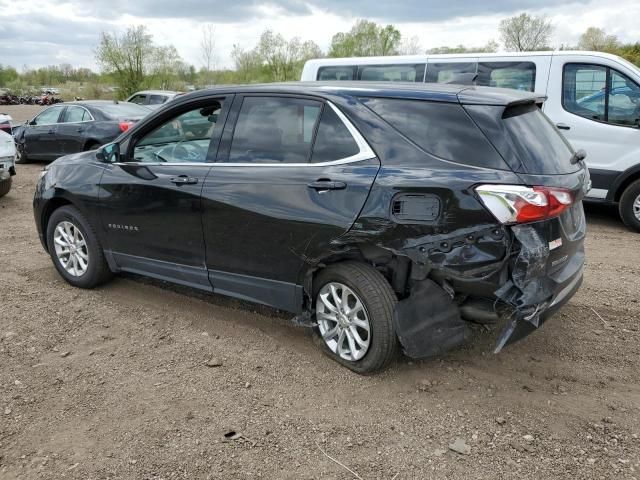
pixel 380 215
pixel 7 162
pixel 593 97
pixel 6 123
pixel 153 98
pixel 74 127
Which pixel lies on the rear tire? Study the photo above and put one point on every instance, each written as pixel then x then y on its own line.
pixel 75 249
pixel 355 282
pixel 629 206
pixel 91 145
pixel 5 186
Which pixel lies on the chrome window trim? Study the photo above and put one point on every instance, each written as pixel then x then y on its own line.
pixel 365 153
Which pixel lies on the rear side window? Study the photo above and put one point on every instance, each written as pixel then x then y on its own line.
pixel 515 75
pixel 337 73
pixel 442 129
pixel 274 130
pixel 157 99
pixel 392 73
pixel 76 114
pixel 451 72
pixel 333 140
pixel 525 138
pixel 139 99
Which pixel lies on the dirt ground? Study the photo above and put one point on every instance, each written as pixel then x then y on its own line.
pixel 114 383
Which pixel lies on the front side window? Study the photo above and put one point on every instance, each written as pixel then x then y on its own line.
pixel 337 73
pixel 601 93
pixel 76 115
pixel 392 73
pixel 48 117
pixel 184 138
pixel 451 72
pixel 515 75
pixel 274 130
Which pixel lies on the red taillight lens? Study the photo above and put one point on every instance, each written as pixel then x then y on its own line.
pixel 124 126
pixel 520 204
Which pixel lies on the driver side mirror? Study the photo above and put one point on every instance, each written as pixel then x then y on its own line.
pixel 31 122
pixel 109 153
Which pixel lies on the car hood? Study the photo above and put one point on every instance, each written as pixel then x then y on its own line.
pixel 81 157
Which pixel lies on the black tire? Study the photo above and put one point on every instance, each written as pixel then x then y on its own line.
pixel 5 186
pixel 91 145
pixel 97 271
pixel 630 217
pixel 379 302
pixel 21 155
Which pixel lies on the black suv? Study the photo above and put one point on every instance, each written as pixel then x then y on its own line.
pixel 382 216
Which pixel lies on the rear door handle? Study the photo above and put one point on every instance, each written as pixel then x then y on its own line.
pixel 184 180
pixel 563 126
pixel 323 185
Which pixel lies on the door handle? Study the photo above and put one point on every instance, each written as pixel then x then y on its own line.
pixel 51 132
pixel 323 185
pixel 184 180
pixel 563 126
pixel 80 130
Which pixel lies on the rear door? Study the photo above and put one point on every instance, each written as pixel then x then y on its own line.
pixel 275 199
pixel 41 135
pixel 71 130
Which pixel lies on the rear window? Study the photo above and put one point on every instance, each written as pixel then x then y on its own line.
pixel 442 129
pixel 526 138
pixel 123 110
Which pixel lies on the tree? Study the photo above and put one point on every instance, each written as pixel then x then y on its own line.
pixel 526 32
pixel 208 47
pixel 596 39
pixel 366 39
pixel 247 64
pixel 410 46
pixel 128 56
pixel 490 47
pixel 284 58
pixel 166 65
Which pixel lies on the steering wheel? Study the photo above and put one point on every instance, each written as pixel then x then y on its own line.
pixel 188 152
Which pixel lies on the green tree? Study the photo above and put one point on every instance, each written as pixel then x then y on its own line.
pixel 366 39
pixel 595 38
pixel 490 47
pixel 526 32
pixel 128 56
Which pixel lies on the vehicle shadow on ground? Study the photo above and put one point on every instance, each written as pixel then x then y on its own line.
pixel 603 214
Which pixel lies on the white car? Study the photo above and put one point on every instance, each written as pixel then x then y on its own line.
pixel 7 162
pixel 592 97
pixel 153 98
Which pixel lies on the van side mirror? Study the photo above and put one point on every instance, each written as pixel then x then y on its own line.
pixel 109 153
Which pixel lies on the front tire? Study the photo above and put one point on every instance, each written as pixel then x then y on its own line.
pixel 354 309
pixel 629 206
pixel 75 249
pixel 5 186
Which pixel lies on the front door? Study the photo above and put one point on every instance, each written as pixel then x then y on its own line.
pixel 40 135
pixel 292 175
pixel 150 199
pixel 597 108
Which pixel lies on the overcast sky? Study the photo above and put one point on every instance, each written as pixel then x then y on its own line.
pixel 44 32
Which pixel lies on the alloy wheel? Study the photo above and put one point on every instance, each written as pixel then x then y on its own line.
pixel 343 321
pixel 636 207
pixel 71 248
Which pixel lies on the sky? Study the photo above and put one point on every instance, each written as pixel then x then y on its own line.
pixel 35 33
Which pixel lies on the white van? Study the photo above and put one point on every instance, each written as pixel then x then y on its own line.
pixel 592 97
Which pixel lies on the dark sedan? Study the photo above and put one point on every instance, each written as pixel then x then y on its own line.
pixel 74 127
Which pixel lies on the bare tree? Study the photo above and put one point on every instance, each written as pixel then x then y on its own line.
pixel 208 46
pixel 596 39
pixel 526 33
pixel 410 46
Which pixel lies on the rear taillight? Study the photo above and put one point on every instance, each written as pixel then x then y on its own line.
pixel 520 204
pixel 124 126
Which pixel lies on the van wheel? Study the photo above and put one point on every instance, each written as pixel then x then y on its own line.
pixel 75 249
pixel 629 206
pixel 354 312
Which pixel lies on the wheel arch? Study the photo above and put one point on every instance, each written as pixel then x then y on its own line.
pixel 623 180
pixel 51 206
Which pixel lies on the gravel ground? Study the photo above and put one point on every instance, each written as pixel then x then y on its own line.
pixel 139 380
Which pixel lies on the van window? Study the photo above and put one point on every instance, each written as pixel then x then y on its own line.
pixel 515 75
pixel 392 73
pixel 337 73
pixel 441 129
pixel 451 72
pixel 600 93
